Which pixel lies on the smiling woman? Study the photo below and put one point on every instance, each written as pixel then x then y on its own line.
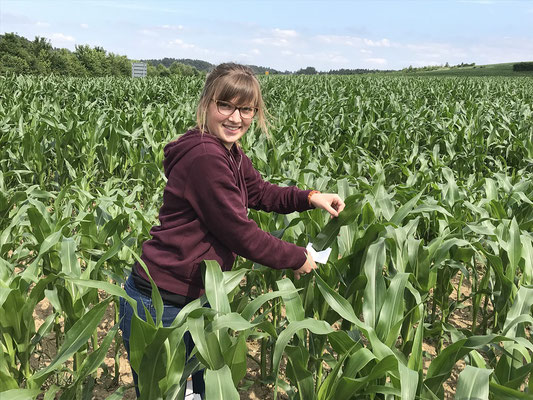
pixel 211 184
pixel 226 86
pixel 226 121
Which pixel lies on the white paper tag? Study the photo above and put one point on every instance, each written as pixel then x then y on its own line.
pixel 318 256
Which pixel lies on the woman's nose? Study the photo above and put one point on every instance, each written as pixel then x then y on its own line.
pixel 236 116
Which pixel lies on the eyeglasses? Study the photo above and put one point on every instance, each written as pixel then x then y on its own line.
pixel 227 108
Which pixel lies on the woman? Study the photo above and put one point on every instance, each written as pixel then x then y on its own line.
pixel 211 184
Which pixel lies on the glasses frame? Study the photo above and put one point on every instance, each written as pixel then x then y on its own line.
pixel 255 109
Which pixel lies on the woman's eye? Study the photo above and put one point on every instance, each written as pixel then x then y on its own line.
pixel 247 109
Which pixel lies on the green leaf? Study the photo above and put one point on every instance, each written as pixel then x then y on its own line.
pixel 40 228
pixel 501 392
pixel 252 307
pixel 76 337
pixel 95 359
pixel 515 249
pixel 214 287
pixel 293 302
pixel 473 383
pixel 409 381
pixel 331 230
pixel 69 260
pixel 206 343
pixel 440 368
pixel 157 301
pixel 405 209
pixel 152 368
pixel 345 310
pixel 219 384
pixel 348 387
pixel 109 288
pixel 298 371
pixel 317 327
pixel 235 358
pixel 392 310
pixel 374 293
pixel 20 394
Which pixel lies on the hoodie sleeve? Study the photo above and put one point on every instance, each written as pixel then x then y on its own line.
pixel 216 199
pixel 268 197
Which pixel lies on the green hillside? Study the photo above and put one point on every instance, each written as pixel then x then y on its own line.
pixel 505 69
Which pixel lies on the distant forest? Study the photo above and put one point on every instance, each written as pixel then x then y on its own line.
pixel 19 55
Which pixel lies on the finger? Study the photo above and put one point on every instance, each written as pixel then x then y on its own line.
pixel 331 210
pixel 296 275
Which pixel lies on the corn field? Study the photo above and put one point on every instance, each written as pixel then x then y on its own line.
pixel 437 175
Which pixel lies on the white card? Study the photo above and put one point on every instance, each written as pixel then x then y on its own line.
pixel 318 256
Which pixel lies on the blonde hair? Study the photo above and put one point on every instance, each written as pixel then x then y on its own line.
pixel 231 82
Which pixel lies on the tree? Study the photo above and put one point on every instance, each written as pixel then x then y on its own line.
pixel 93 60
pixel 162 70
pixel 307 71
pixel 177 68
pixel 118 65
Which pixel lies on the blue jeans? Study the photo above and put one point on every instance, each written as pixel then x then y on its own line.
pixel 169 314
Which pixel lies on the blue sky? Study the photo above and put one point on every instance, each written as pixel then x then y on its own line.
pixel 287 35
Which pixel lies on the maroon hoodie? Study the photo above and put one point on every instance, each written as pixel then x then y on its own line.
pixel 204 215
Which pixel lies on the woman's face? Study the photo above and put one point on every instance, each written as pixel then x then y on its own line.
pixel 227 128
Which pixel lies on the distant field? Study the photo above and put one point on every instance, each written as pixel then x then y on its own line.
pixel 505 69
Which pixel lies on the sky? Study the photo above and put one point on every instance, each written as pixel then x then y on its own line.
pixel 287 35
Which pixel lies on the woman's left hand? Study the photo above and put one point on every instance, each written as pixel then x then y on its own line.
pixel 331 202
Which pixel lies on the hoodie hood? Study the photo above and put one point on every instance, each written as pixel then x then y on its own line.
pixel 174 151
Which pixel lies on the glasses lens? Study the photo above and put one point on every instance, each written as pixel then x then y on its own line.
pixel 247 112
pixel 225 108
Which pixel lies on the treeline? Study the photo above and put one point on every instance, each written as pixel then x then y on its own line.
pixel 19 55
pixel 436 67
pixel 175 68
pixel 523 66
pixel 167 62
pixel 205 66
pixel 342 71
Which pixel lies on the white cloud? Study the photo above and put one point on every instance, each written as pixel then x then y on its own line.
pixel 172 27
pixel 60 37
pixel 84 26
pixel 181 44
pixel 255 52
pixel 285 33
pixel 41 24
pixel 339 40
pixel 377 61
pixel 378 43
pixel 353 41
pixel 148 32
pixel 278 38
pixel 478 1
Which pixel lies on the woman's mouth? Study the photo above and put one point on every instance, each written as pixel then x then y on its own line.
pixel 231 128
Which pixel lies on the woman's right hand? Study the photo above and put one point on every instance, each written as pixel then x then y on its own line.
pixel 308 266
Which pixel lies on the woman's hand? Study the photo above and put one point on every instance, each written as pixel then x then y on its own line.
pixel 331 202
pixel 308 266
